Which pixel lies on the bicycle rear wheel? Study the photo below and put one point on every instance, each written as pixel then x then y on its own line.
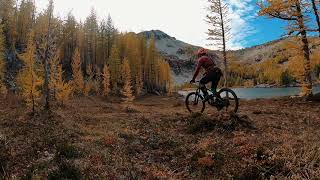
pixel 229 101
pixel 194 103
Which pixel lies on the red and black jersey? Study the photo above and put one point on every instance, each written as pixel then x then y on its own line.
pixel 206 63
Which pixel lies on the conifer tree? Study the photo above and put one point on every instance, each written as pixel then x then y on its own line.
pixel 25 21
pixel 78 81
pixel 105 81
pixel 296 13
pixel 138 83
pixel 143 54
pixel 8 18
pixel 135 60
pixel 91 84
pixel 110 33
pixel 151 66
pixel 219 32
pixel 115 68
pixel 127 87
pixel 70 41
pixel 315 5
pixel 61 89
pixel 2 63
pixel 29 80
pixel 47 56
pixel 97 80
pixel 91 29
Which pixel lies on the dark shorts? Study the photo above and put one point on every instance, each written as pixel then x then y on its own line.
pixel 213 76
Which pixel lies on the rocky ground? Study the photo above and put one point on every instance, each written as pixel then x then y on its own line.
pixel 156 138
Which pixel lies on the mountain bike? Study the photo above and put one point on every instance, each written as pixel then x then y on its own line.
pixel 225 99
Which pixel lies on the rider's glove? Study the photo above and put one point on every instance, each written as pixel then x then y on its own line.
pixel 192 81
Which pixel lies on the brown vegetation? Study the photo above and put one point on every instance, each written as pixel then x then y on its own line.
pixel 156 138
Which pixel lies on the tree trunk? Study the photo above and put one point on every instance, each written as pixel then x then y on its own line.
pixel 46 65
pixel 315 9
pixel 306 53
pixel 224 47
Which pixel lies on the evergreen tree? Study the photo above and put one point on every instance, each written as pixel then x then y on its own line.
pixel 127 87
pixel 29 80
pixel 110 33
pixel 102 45
pixel 69 41
pixel 25 21
pixel 91 30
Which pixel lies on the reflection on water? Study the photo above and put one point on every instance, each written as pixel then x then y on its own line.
pixel 255 93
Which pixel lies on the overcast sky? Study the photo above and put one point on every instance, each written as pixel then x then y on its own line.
pixel 183 19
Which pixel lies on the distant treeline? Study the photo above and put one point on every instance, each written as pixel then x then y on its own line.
pixel 285 68
pixel 39 43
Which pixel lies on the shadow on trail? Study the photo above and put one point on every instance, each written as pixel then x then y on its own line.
pixel 198 123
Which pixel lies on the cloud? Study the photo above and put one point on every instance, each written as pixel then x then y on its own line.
pixel 241 13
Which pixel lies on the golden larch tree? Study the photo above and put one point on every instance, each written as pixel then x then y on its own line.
pixel 105 81
pixel 127 87
pixel 315 5
pixel 151 66
pixel 61 89
pixel 28 79
pixel 90 85
pixel 219 32
pixel 296 13
pixel 78 82
pixel 115 68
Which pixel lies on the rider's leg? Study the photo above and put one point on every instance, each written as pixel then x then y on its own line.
pixel 214 83
pixel 205 80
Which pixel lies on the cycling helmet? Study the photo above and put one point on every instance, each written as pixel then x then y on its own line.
pixel 202 51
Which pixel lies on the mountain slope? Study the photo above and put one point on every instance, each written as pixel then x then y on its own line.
pixel 180 54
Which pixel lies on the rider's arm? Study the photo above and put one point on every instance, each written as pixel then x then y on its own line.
pixel 197 70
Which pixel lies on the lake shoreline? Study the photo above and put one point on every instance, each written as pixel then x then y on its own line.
pixel 264 93
pixel 273 86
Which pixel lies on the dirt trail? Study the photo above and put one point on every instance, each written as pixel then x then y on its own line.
pixel 155 137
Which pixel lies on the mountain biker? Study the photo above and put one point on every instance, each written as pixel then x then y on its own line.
pixel 212 74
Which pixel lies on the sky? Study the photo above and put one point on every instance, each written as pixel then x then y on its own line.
pixel 183 19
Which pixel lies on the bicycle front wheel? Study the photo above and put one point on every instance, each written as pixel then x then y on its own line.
pixel 229 101
pixel 194 103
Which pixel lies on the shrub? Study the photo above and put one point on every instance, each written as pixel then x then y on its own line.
pixel 65 171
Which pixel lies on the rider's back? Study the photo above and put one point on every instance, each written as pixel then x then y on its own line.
pixel 206 63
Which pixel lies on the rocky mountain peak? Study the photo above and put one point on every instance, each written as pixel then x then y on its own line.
pixel 159 35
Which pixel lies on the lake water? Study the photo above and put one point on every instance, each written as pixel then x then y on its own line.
pixel 255 93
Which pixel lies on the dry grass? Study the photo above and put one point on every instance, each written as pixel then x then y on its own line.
pixel 156 138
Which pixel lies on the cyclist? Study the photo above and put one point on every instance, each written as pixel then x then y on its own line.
pixel 212 74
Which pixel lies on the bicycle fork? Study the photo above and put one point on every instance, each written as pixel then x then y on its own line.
pixel 196 98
